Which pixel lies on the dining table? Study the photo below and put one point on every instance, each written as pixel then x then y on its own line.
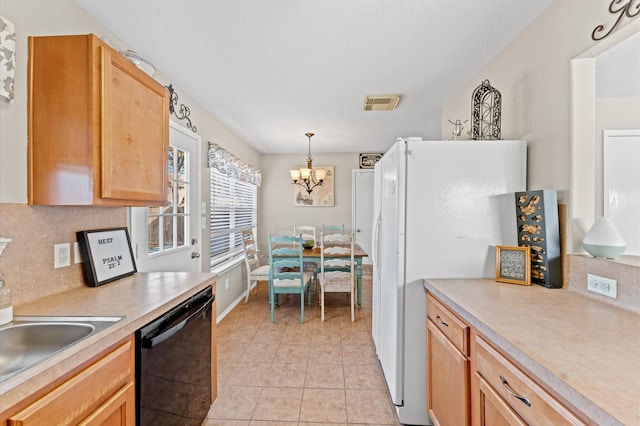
pixel 313 255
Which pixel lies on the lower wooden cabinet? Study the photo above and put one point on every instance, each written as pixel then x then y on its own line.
pixel 492 409
pixel 447 367
pixel 103 393
pixel 503 383
pixel 448 380
pixel 471 382
pixel 118 410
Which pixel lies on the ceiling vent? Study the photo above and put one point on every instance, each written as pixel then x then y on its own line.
pixel 381 103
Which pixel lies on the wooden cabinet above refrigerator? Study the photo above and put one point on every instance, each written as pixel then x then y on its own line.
pixel 98 126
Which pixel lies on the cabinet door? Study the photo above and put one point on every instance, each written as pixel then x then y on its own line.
pixel 100 134
pixel 494 411
pixel 134 148
pixel 119 410
pixel 78 397
pixel 448 380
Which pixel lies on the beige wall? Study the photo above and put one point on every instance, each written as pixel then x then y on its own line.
pixel 28 260
pixel 55 17
pixel 534 76
pixel 277 213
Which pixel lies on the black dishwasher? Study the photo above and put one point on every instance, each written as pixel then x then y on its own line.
pixel 173 364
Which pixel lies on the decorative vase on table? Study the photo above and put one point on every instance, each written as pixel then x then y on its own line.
pixel 604 240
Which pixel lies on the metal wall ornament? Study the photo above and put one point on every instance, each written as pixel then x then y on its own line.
pixel 622 8
pixel 486 112
pixel 458 127
pixel 369 160
pixel 183 113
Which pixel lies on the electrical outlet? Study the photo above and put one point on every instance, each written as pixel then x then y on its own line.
pixel 61 255
pixel 226 284
pixel 601 285
pixel 77 256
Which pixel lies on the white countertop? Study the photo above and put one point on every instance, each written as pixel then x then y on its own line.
pixel 586 351
pixel 140 298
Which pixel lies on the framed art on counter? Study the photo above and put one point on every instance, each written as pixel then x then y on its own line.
pixel 513 264
pixel 107 255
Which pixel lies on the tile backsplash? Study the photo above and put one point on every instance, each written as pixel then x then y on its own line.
pixel 626 271
pixel 27 262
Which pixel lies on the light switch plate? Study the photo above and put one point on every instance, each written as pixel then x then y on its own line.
pixel 61 255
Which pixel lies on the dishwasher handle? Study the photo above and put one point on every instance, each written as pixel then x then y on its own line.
pixel 152 340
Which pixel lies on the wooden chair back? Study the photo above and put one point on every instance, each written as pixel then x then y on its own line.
pixel 286 273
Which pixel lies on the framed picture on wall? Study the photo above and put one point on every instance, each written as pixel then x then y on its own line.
pixel 320 196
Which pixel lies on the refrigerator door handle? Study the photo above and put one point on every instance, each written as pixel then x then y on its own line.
pixel 376 243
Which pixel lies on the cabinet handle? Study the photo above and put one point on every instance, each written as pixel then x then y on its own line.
pixel 440 321
pixel 512 393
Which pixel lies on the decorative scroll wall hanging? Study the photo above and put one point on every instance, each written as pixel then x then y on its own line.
pixel 485 113
pixel 232 166
pixel 183 113
pixel 622 8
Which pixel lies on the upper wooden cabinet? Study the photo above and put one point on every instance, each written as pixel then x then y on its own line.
pixel 98 126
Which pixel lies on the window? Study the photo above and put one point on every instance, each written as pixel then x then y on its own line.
pixel 168 226
pixel 233 208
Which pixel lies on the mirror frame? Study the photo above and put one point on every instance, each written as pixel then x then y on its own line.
pixel 585 179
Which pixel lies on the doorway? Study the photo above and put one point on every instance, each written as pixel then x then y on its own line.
pixel 168 238
pixel 362 209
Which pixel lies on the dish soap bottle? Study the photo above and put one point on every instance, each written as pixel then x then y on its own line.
pixel 6 308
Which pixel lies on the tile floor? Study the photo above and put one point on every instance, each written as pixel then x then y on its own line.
pixel 289 373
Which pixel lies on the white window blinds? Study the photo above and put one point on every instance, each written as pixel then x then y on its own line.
pixel 233 208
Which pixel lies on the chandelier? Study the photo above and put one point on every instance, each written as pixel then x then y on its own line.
pixel 308 177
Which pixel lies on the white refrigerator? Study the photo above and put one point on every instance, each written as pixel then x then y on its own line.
pixel 440 208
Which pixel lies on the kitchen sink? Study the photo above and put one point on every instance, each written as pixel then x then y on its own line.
pixel 26 341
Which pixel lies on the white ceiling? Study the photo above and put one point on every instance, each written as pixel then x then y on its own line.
pixel 272 70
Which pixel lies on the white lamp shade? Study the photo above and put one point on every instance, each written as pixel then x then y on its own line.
pixel 604 240
pixel 305 173
pixel 320 174
pixel 295 174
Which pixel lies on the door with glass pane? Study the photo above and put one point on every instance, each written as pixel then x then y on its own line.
pixel 167 238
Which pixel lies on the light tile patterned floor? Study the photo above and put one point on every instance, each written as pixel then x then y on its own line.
pixel 289 373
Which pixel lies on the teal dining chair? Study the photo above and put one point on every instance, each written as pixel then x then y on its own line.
pixel 287 274
pixel 332 229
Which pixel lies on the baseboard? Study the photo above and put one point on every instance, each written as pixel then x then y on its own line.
pixel 232 305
